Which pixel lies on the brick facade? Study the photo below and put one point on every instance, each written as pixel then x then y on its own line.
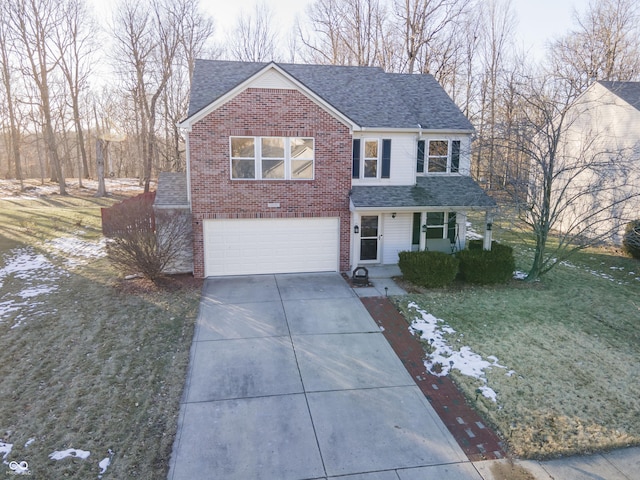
pixel 269 112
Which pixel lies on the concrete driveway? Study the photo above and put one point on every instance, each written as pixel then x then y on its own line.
pixel 290 378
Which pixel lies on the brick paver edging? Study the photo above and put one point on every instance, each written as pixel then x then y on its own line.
pixel 477 440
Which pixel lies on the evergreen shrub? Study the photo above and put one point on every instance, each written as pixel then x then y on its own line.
pixel 486 267
pixel 631 239
pixel 428 269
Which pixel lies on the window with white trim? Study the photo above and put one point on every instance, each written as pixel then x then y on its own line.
pixel 371 158
pixel 272 158
pixel 441 225
pixel 438 156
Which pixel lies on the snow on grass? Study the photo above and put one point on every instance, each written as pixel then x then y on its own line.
pixel 104 463
pixel 29 275
pixel 70 452
pixel 5 450
pixel 444 358
pixel 597 273
pixel 26 276
pixel 11 190
pixel 472 234
pixel 519 275
pixel 78 251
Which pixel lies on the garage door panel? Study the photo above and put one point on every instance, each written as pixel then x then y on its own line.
pixel 255 246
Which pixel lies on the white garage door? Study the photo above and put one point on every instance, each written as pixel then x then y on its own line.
pixel 278 245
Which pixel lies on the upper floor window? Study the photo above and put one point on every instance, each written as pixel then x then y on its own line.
pixel 272 158
pixel 370 160
pixel 438 156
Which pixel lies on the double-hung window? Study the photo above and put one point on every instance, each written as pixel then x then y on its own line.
pixel 272 158
pixel 376 158
pixel 441 225
pixel 438 156
pixel 370 158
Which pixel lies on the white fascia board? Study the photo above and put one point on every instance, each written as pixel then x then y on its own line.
pixel 423 131
pixel 419 208
pixel 196 117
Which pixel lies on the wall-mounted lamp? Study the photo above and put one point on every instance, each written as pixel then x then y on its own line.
pixel 424 228
pixel 393 215
pixel 356 229
pixel 489 226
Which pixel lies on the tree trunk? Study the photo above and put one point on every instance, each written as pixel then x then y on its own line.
pixel 101 147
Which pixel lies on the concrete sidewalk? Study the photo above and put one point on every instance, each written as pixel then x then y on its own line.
pixel 290 378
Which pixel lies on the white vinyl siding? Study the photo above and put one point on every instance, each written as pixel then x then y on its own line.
pixel 397 236
pixel 261 246
pixel 403 159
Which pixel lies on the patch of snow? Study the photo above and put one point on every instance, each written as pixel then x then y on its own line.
pixel 465 360
pixel 518 275
pixel 5 450
pixel 35 276
pixel 103 464
pixel 79 248
pixel 35 291
pixel 29 442
pixel 23 263
pixel 472 234
pixel 70 452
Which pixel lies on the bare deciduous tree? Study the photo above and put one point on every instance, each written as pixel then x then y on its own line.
pixel 424 23
pixel 577 185
pixel 8 74
pixel 604 46
pixel 76 49
pixel 254 38
pixel 350 32
pixel 34 23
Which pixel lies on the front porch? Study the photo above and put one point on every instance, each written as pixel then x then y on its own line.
pixel 430 215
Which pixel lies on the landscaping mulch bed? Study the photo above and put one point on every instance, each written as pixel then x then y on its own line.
pixel 477 440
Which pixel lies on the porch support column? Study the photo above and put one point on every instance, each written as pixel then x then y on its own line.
pixel 488 228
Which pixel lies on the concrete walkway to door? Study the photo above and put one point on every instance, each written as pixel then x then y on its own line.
pixel 290 378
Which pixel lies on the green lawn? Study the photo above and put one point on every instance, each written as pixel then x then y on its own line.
pixel 573 340
pixel 87 361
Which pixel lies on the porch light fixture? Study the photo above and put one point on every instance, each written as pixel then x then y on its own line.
pixel 424 228
pixel 356 229
pixel 393 215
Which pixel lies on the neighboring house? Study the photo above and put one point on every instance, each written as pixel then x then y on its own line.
pixel 601 148
pixel 308 168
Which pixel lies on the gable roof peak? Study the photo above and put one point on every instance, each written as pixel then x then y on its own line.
pixel 627 91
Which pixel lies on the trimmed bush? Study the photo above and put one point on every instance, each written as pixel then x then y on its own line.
pixel 428 269
pixel 486 267
pixel 631 239
pixel 476 244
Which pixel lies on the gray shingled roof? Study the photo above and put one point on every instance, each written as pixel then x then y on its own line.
pixel 171 190
pixel 432 191
pixel 628 91
pixel 366 95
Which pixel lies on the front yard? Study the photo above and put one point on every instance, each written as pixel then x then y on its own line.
pixel 91 367
pixel 567 352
